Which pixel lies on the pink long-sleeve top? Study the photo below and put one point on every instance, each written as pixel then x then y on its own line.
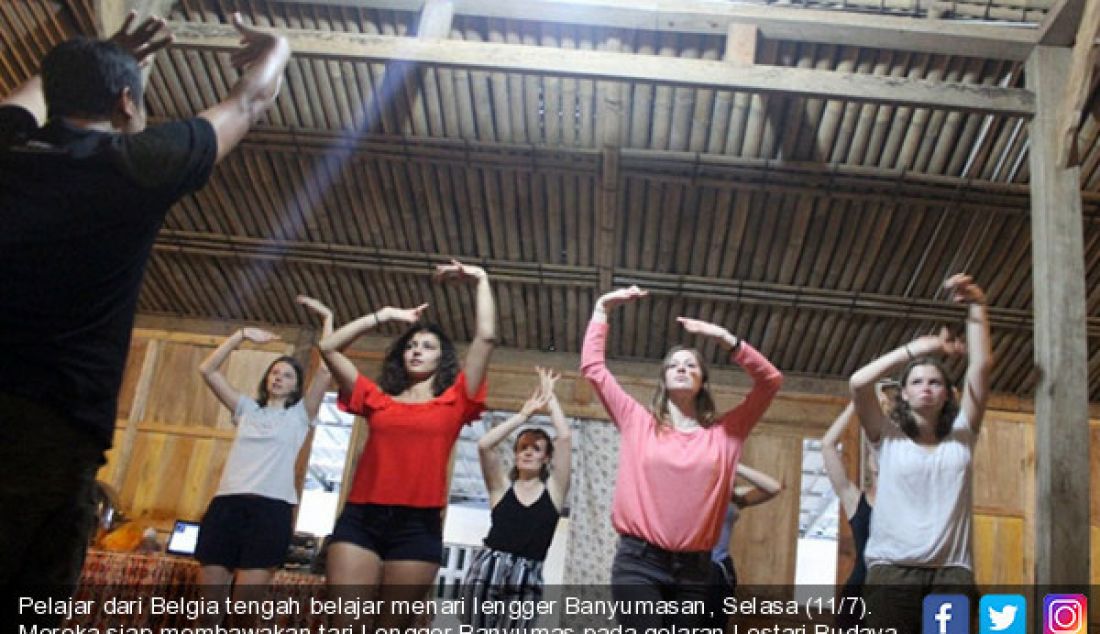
pixel 673 486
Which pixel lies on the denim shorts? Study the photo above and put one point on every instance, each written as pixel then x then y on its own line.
pixel 393 532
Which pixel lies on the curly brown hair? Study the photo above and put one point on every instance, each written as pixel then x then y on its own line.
pixel 395 379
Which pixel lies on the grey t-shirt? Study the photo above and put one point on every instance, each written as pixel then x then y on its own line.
pixel 923 504
pixel 261 461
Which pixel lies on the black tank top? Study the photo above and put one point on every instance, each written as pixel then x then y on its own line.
pixel 861 529
pixel 523 530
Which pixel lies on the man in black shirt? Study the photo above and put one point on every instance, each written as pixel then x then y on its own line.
pixel 81 200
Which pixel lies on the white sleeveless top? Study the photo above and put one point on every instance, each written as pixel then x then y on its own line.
pixel 923 508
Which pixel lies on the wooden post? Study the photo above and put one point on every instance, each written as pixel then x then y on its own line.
pixel 607 209
pixel 125 449
pixel 610 98
pixel 1061 346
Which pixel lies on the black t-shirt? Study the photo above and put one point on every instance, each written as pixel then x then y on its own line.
pixel 80 210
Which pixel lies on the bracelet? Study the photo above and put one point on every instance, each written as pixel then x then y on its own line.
pixel 909 352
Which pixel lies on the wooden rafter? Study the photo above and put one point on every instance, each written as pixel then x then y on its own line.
pixel 1078 85
pixel 664 284
pixel 697 73
pixel 1060 26
pixel 784 23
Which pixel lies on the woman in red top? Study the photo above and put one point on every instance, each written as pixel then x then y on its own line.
pixel 388 542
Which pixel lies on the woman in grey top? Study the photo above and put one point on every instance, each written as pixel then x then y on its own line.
pixel 920 537
pixel 247 527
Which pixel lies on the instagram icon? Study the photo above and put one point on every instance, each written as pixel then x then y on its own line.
pixel 1065 614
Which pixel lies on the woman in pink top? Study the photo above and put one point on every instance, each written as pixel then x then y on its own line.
pixel 676 463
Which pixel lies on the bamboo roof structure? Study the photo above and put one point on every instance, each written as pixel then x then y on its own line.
pixel 807 174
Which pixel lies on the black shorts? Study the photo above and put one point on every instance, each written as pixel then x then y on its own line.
pixel 245 532
pixel 393 532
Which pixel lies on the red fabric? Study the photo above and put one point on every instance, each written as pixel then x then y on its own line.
pixel 409 444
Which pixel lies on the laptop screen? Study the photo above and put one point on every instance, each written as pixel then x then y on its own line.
pixel 183 538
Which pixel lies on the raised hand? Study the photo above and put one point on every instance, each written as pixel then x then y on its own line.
pixel 140 42
pixel 700 327
pixel 538 400
pixel 457 271
pixel 963 289
pixel 255 43
pixel 946 344
pixel 621 296
pixel 407 315
pixel 547 380
pixel 315 306
pixel 258 335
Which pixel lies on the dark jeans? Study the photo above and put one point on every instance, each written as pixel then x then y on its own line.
pixel 723 581
pixel 47 513
pixel 644 573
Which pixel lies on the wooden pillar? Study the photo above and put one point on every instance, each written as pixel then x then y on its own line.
pixel 610 98
pixel 1061 397
pixel 607 212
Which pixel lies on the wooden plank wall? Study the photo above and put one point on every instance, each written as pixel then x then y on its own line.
pixel 173 438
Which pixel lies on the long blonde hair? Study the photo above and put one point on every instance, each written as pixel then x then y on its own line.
pixel 704 402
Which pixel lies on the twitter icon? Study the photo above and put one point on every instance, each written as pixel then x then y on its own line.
pixel 1003 614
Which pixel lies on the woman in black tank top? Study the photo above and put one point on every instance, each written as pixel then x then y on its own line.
pixel 526 503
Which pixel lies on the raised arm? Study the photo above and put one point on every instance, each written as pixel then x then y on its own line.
pixel 846 491
pixel 562 462
pixel 210 368
pixel 764 487
pixel 141 43
pixel 862 383
pixel 262 58
pixel 766 378
pixel 322 377
pixel 485 327
pixel 616 401
pixel 979 347
pixel 332 346
pixel 496 479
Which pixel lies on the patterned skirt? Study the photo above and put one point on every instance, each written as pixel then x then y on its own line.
pixel 500 590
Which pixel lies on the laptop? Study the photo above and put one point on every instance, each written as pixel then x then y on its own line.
pixel 183 538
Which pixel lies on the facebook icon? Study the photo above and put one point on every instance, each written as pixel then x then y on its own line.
pixel 946 614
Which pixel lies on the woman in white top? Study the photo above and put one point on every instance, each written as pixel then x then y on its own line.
pixel 920 539
pixel 247 527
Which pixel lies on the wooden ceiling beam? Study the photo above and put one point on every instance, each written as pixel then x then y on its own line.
pixel 827 180
pixel 1078 86
pixel 698 73
pixel 240 248
pixel 825 26
pixel 1060 26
